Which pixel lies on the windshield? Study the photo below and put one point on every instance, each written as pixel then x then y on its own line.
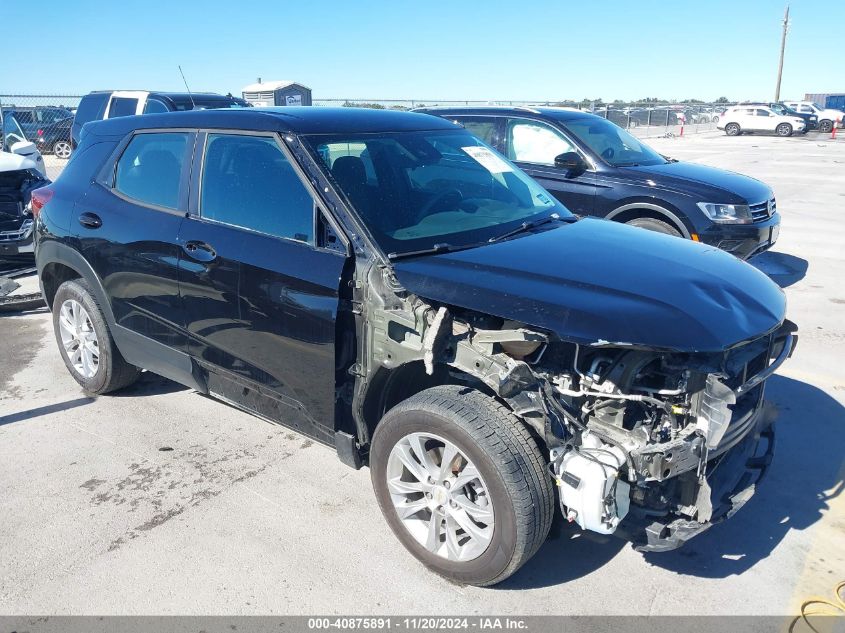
pixel 612 143
pixel 417 189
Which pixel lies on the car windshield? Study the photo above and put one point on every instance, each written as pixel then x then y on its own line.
pixel 612 143
pixel 415 190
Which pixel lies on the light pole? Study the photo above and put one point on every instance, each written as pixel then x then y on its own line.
pixel 782 47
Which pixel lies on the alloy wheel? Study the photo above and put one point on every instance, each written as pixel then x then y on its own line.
pixel 62 149
pixel 79 340
pixel 440 497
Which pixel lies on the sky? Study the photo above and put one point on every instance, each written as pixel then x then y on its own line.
pixel 426 50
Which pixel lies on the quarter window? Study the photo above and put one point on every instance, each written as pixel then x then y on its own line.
pixel 247 181
pixel 534 142
pixel 122 106
pixel 150 168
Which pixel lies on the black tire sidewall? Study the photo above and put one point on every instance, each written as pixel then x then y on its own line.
pixel 75 290
pixel 655 225
pixel 501 550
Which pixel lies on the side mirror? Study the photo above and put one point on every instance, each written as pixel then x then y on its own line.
pixel 23 148
pixel 570 161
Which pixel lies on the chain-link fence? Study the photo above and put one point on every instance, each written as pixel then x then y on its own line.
pixel 42 119
pixel 46 119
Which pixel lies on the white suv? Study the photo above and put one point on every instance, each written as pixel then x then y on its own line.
pixel 757 118
pixel 827 117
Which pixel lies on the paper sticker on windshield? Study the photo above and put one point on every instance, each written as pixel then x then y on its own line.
pixel 488 159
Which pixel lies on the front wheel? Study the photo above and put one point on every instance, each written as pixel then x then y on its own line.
pixel 85 342
pixel 732 129
pixel 784 129
pixel 653 224
pixel 462 484
pixel 825 126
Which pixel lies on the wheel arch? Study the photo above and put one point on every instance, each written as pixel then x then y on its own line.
pixel 640 209
pixel 57 263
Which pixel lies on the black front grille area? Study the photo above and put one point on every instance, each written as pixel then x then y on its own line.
pixel 763 210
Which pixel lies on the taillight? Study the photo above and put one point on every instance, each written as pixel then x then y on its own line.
pixel 39 198
pixel 40 132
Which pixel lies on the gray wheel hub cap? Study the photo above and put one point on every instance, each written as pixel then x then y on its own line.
pixel 440 497
pixel 62 149
pixel 79 339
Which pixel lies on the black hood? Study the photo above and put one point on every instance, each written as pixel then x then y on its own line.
pixel 709 183
pixel 597 281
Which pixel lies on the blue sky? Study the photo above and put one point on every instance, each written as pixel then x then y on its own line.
pixel 540 50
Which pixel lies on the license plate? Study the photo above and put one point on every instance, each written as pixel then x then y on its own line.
pixel 774 235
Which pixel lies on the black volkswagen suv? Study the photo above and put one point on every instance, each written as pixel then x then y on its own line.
pixel 386 283
pixel 596 168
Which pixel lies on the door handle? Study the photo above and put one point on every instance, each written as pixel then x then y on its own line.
pixel 199 251
pixel 90 220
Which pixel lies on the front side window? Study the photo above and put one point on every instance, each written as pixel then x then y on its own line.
pixel 122 106
pixel 150 168
pixel 535 142
pixel 247 181
pixel 431 187
pixel 612 143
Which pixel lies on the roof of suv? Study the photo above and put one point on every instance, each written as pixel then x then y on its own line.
pixel 558 113
pixel 299 120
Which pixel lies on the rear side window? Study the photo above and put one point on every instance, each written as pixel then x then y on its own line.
pixel 247 181
pixel 154 106
pixel 122 106
pixel 483 128
pixel 150 168
pixel 91 107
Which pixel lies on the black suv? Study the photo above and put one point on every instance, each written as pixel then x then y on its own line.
pixel 596 168
pixel 386 283
pixel 110 104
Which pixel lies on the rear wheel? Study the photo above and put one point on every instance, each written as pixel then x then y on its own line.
pixel 784 129
pixel 825 126
pixel 85 342
pixel 62 149
pixel 462 484
pixel 732 129
pixel 653 224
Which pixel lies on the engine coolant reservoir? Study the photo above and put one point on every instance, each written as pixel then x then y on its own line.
pixel 590 489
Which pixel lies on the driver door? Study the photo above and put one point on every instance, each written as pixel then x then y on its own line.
pixel 533 145
pixel 766 119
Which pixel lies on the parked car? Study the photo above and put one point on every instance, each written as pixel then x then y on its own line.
pixel 109 104
pixel 750 119
pixel 426 308
pixel 46 126
pixel 826 117
pixel 595 168
pixel 21 172
pixel 810 120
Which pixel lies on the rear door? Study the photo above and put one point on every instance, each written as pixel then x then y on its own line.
pixel 127 224
pixel 260 296
pixel 533 145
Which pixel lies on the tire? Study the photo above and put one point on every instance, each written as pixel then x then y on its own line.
pixel 716 119
pixel 62 149
pixel 110 372
pixel 784 129
pixel 513 485
pixel 825 126
pixel 653 224
pixel 732 129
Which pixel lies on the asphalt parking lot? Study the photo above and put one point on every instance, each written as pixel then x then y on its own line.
pixel 161 501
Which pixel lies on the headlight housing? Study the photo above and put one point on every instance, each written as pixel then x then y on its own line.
pixel 726 213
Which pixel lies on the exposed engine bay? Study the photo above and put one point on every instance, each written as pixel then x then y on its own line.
pixel 626 428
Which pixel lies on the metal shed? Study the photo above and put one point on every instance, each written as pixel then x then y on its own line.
pixel 277 93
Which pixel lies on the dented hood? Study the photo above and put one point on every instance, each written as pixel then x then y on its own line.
pixel 597 281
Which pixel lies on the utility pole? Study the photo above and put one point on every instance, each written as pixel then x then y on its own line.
pixel 782 47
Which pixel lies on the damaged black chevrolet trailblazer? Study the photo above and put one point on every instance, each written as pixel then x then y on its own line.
pixel 387 284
